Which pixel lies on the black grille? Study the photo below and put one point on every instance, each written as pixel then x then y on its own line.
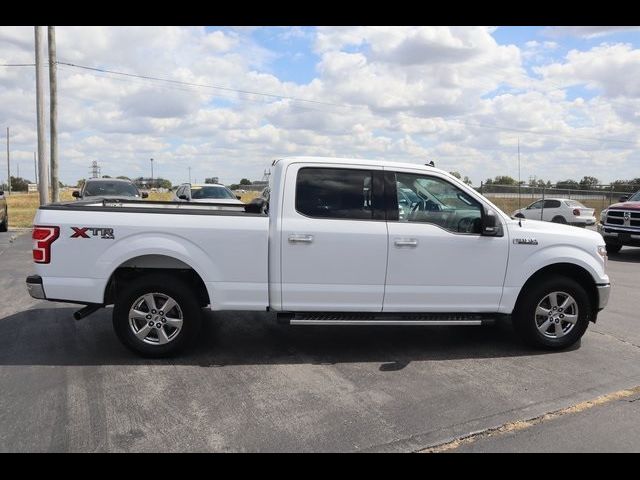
pixel 616 217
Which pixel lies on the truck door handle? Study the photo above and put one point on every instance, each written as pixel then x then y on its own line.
pixel 297 238
pixel 406 242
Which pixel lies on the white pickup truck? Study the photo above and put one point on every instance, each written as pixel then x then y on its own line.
pixel 345 242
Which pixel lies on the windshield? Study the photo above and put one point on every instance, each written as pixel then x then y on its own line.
pixel 635 197
pixel 211 192
pixel 102 188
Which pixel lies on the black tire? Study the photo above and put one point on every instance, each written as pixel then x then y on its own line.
pixel 526 322
pixel 612 248
pixel 559 219
pixel 164 285
pixel 4 226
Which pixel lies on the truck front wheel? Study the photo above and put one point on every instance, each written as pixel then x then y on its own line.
pixel 553 313
pixel 156 315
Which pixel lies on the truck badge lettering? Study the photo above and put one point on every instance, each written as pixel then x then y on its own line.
pixel 627 218
pixel 525 241
pixel 104 233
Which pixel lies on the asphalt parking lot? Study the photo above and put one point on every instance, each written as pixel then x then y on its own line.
pixel 252 384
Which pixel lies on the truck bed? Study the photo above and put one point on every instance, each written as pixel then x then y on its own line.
pixel 224 244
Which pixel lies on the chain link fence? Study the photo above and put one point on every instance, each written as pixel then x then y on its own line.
pixel 512 197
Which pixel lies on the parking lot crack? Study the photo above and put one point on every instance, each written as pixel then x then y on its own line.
pixel 605 334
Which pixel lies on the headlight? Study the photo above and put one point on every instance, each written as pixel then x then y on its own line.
pixel 603 215
pixel 602 251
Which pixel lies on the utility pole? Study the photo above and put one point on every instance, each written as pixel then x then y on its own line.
pixel 53 112
pixel 35 167
pixel 189 174
pixel 43 187
pixel 8 164
pixel 518 172
pixel 151 183
pixel 18 169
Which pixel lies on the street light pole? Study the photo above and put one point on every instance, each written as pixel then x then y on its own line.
pixel 151 184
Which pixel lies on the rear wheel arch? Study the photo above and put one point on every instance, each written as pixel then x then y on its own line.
pixel 137 267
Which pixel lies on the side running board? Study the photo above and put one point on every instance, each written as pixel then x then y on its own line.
pixel 347 318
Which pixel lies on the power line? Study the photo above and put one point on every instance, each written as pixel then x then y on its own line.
pixel 216 87
pixel 17 64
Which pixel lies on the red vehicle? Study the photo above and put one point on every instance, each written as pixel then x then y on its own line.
pixel 620 223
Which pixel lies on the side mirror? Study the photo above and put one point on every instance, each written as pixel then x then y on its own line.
pixel 144 194
pixel 491 224
pixel 183 197
pixel 1 192
pixel 623 198
pixel 239 197
pixel 76 194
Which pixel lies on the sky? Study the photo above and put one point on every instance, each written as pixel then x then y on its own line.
pixel 460 96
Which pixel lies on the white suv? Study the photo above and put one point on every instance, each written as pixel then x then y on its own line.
pixel 558 210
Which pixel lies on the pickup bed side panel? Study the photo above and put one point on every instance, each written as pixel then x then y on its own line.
pixel 229 253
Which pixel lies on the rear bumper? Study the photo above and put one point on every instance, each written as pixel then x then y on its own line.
pixel 35 288
pixel 583 221
pixel 603 295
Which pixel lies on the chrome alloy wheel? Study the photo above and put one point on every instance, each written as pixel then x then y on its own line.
pixel 155 318
pixel 556 314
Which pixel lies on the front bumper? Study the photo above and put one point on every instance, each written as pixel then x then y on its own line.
pixel 603 295
pixel 620 235
pixel 34 287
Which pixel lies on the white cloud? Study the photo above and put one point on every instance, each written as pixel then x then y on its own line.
pixel 449 94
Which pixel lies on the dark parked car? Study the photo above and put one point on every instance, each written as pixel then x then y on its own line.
pixel 109 188
pixel 4 213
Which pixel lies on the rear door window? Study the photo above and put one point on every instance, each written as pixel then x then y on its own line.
pixel 335 193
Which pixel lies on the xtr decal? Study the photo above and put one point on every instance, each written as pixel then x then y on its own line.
pixel 102 232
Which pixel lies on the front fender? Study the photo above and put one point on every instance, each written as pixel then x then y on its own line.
pixel 522 267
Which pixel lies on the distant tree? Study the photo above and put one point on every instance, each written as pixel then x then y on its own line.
pixel 245 181
pixel 123 177
pixel 19 184
pixel 568 184
pixel 467 180
pixel 457 175
pixel 505 180
pixel 234 186
pixel 106 176
pixel 589 183
pixel 211 180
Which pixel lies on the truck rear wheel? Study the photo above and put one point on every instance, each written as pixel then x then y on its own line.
pixel 553 313
pixel 156 315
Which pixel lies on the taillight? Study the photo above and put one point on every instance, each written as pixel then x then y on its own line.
pixel 576 212
pixel 43 237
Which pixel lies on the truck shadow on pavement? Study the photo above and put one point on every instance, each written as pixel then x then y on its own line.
pixel 50 336
pixel 626 255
